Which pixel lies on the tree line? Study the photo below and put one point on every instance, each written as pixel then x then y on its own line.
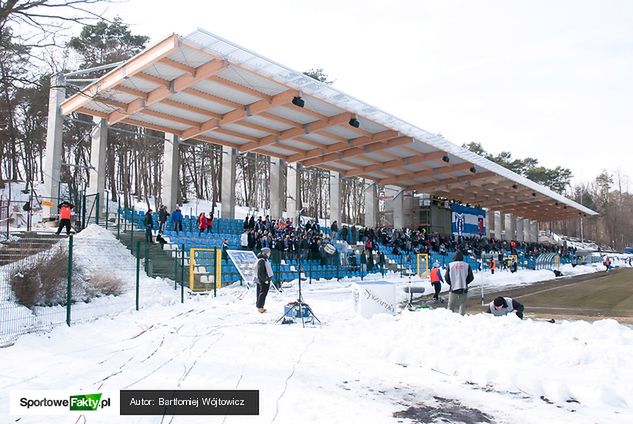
pixel 606 194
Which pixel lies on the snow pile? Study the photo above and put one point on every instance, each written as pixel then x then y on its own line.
pixel 349 369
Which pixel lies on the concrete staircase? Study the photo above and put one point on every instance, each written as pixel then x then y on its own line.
pixel 156 261
pixel 29 243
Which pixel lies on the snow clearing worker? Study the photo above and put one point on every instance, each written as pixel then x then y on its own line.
pixel 65 209
pixel 436 280
pixel 504 306
pixel 458 276
pixel 263 278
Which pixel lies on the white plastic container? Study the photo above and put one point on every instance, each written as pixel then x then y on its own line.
pixel 374 297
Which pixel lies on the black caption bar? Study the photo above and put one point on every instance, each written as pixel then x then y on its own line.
pixel 189 402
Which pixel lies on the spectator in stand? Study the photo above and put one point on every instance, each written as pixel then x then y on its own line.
pixel 202 223
pixel 162 218
pixel 176 219
pixel 244 239
pixel 225 247
pixel 436 281
pixel 334 228
pixel 210 222
pixel 65 210
pixel 344 233
pixel 148 221
pixel 504 306
pixel 363 263
pixel 458 276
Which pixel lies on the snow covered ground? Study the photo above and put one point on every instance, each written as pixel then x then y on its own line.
pixel 348 370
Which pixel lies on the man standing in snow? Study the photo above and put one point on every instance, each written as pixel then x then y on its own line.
pixel 458 276
pixel 263 277
pixel 504 306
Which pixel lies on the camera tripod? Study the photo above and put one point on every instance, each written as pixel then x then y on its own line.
pixel 298 306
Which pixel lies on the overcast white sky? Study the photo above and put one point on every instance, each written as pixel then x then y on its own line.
pixel 545 78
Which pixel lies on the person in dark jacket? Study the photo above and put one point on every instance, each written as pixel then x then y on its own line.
pixel 162 218
pixel 148 221
pixel 225 247
pixel 504 306
pixel 458 276
pixel 263 277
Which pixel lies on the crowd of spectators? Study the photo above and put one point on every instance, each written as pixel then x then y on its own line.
pixel 309 241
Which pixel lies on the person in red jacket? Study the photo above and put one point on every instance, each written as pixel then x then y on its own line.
pixel 436 281
pixel 202 223
pixel 65 209
pixel 492 265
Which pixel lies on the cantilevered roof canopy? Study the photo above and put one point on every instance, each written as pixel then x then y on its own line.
pixel 206 88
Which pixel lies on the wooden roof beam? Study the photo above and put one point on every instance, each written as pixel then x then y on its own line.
pixel 452 180
pixel 238 114
pixel 348 144
pixel 163 92
pixel 118 75
pixel 374 147
pixel 294 132
pixel 429 173
pixel 424 157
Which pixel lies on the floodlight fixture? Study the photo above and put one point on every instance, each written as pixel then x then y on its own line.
pixel 298 101
pixel 354 123
pixel 473 169
pixel 446 159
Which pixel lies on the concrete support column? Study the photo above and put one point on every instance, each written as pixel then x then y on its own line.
pixel 497 220
pixel 97 174
pixel 490 223
pixel 534 228
pixel 512 227
pixel 526 230
pixel 171 166
pixel 276 171
pixel 335 197
pixel 229 157
pixel 502 226
pixel 396 205
pixel 371 206
pixel 293 192
pixel 53 161
pixel 519 229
